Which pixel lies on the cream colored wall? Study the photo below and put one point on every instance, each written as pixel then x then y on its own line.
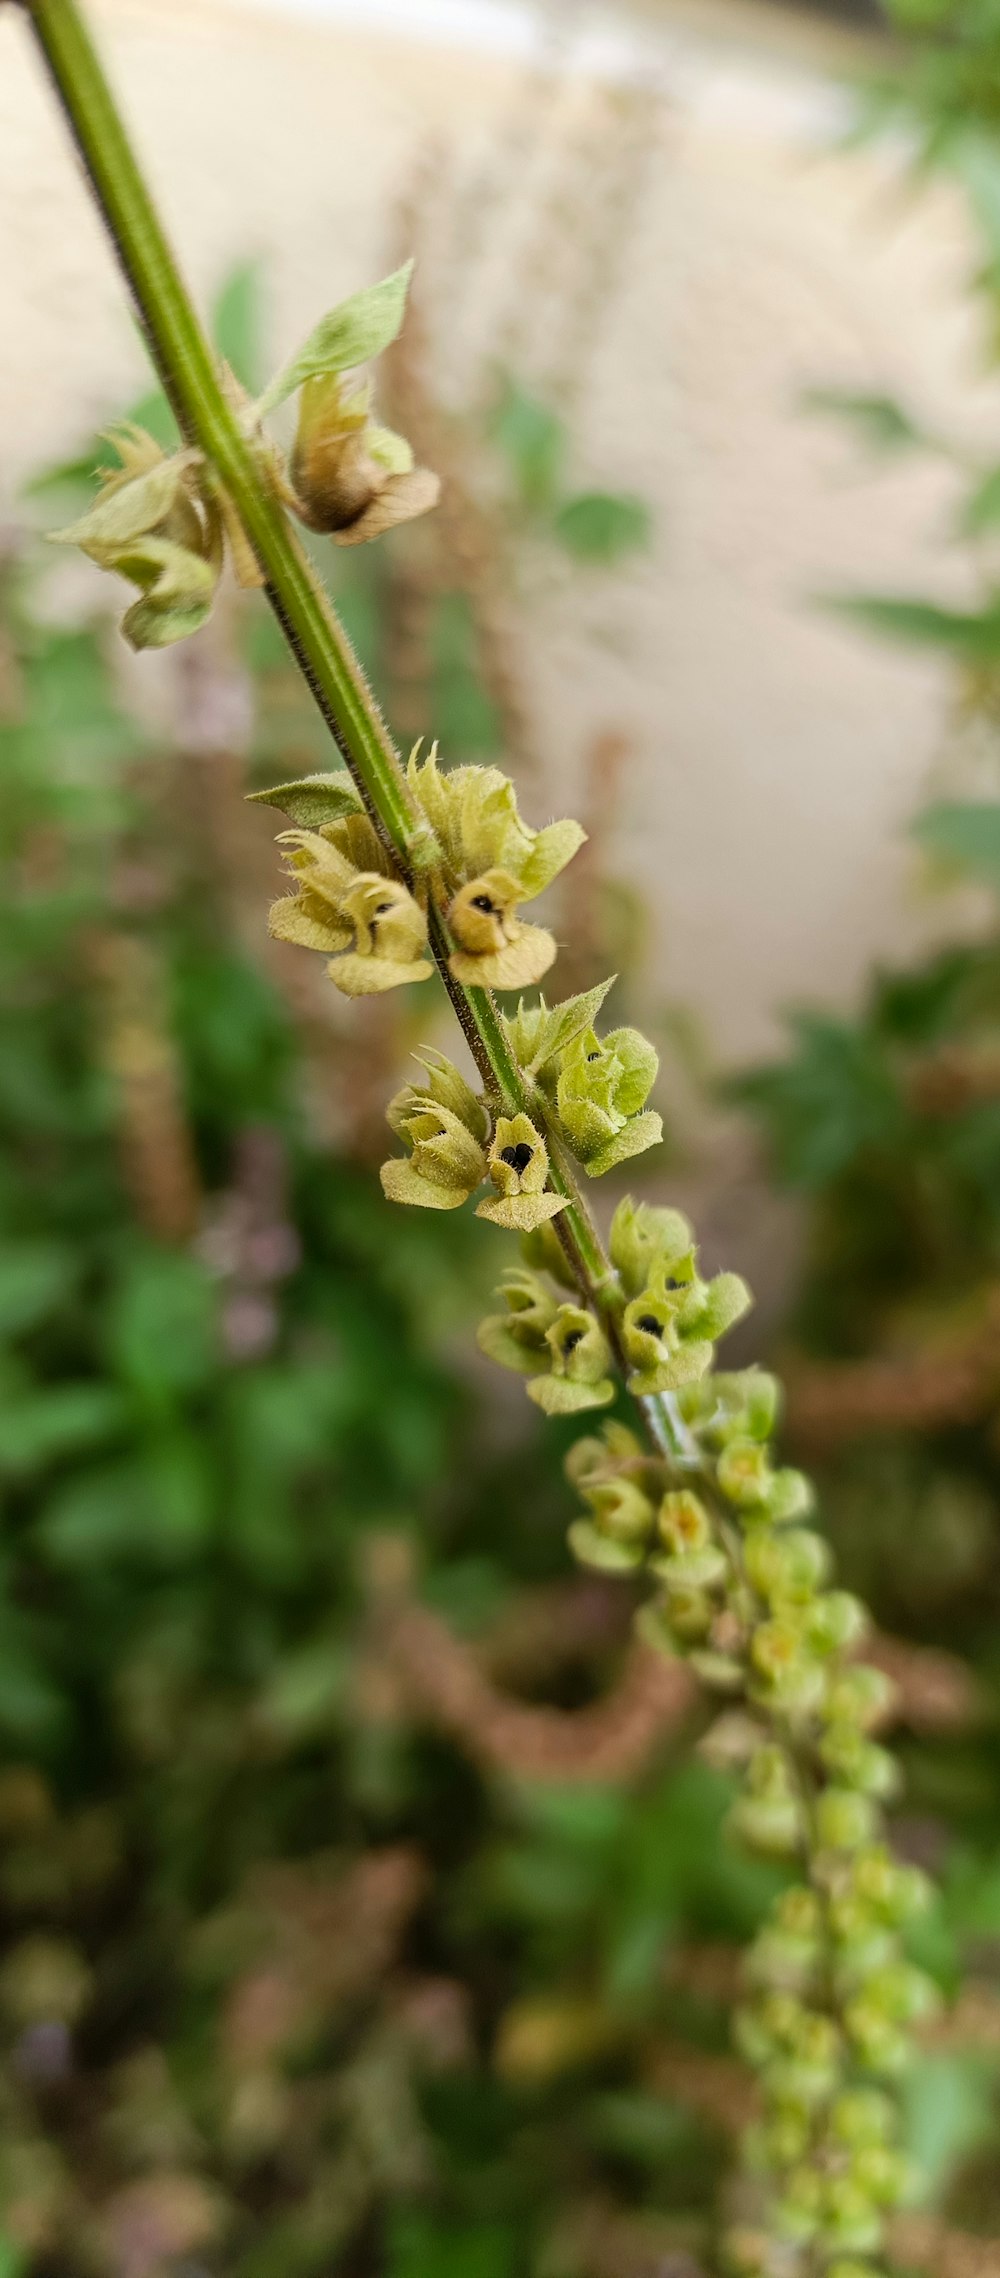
pixel 778 754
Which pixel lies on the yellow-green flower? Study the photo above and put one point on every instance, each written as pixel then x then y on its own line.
pixel 445 1125
pixel 579 1361
pixel 363 918
pixel 519 1167
pixel 351 478
pixel 501 863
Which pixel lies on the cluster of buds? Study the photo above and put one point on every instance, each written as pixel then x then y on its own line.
pixel 163 520
pixel 597 1087
pixel 744 1593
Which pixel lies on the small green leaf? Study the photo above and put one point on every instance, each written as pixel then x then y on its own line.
pixel 878 419
pixel 533 439
pixel 965 633
pixel 351 334
pixel 313 800
pixel 601 526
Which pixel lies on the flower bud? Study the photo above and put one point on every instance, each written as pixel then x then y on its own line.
pixel 516 1339
pixel 844 1820
pixel 850 2223
pixel 744 1474
pixel 787 1568
pixel 859 1763
pixel 769 1815
pixel 519 1167
pixel 685 1528
pixel 660 1356
pixel 862 2118
pixel 621 1510
pixel 445 1164
pixel 836 1622
pixel 647 1243
pixel 860 1696
pixel 786 1675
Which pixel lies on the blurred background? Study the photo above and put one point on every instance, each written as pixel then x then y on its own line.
pixel 362 1904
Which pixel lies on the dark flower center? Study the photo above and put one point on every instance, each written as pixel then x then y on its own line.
pixel 572 1340
pixel 518 1157
pixel 483 902
pixel 593 1055
pixel 652 1326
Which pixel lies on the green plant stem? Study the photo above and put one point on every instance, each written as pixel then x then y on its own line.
pixel 191 382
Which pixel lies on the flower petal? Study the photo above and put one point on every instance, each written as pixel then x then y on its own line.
pixel 598 1550
pixel 495 1337
pixel 521 1212
pixel 290 920
pixel 358 976
pixel 518 965
pixel 560 1397
pixel 403 1184
pixel 400 500
pixel 641 1132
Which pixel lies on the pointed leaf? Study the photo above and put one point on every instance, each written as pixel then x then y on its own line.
pixel 313 800
pixel 350 334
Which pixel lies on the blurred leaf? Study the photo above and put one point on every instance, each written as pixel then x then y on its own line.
pixel 161 1324
pixel 422 2248
pixel 35 1278
pixel 964 835
pixel 65 1420
pixel 602 527
pixel 879 420
pixel 236 324
pixel 533 439
pixel 948 2107
pixel 837 1097
pixel 969 634
pixel 981 510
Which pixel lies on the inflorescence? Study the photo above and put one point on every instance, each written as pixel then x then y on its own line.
pixel 682 1488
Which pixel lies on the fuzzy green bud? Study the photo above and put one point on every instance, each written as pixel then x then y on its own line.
pixel 601 1088
pixel 785 1568
pixel 647 1241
